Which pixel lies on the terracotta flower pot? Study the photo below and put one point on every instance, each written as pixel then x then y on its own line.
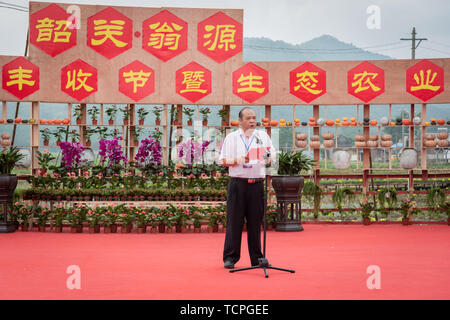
pixel 114 228
pixel 141 229
pixel 162 227
pixel 189 123
pixel 24 227
pixel 205 123
pixel 107 229
pixel 94 122
pixel 110 122
pixel 141 122
pixel 58 229
pixel 405 221
pixel 41 228
pixel 45 142
pixel 198 230
pixel 366 221
pixel 157 122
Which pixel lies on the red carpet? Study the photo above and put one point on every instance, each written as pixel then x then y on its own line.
pixel 330 262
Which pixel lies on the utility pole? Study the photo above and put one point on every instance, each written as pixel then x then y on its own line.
pixel 413 44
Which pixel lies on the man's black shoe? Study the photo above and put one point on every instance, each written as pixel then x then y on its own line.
pixel 228 264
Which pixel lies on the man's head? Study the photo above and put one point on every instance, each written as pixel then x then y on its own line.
pixel 247 119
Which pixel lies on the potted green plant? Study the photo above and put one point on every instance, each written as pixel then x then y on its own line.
pixel 342 196
pixel 205 112
pixel 58 217
pixel 9 157
pixel 406 209
pixel 111 113
pixel 288 186
pixel 78 113
pixel 189 113
pixel 387 199
pixel 313 195
pixel 223 113
pixel 93 112
pixel 126 115
pixel 142 113
pixel 93 219
pixel 46 133
pixel 435 199
pixel 366 208
pixel 157 112
pixel 446 208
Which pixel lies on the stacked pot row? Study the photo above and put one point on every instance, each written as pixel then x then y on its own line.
pixel 372 141
pixel 442 140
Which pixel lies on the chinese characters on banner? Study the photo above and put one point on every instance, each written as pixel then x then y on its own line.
pixel 109 33
pixel 219 37
pixel 425 80
pixel 79 79
pixel 136 80
pixel 164 35
pixel 365 81
pixel 51 31
pixel 250 82
pixel 193 82
pixel 307 82
pixel 20 77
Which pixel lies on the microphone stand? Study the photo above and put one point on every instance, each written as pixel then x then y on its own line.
pixel 263 262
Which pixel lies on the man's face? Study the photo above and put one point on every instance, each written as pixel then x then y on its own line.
pixel 248 121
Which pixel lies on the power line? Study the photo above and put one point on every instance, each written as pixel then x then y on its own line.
pixel 436 50
pixel 13 8
pixel 441 44
pixel 14 5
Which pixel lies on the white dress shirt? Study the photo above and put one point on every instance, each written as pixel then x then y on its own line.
pixel 237 145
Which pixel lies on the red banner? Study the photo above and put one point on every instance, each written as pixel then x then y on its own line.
pixel 307 82
pixel 193 82
pixel 425 80
pixel 164 35
pixel 51 31
pixel 109 33
pixel 365 81
pixel 79 79
pixel 136 80
pixel 219 37
pixel 250 82
pixel 20 77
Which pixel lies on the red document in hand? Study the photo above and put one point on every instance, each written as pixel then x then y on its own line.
pixel 256 154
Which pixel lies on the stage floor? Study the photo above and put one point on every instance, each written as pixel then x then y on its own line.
pixel 330 262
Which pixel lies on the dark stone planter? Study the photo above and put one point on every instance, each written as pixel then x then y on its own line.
pixel 8 183
pixel 288 190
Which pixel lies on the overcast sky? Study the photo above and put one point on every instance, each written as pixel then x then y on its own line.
pixel 297 21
